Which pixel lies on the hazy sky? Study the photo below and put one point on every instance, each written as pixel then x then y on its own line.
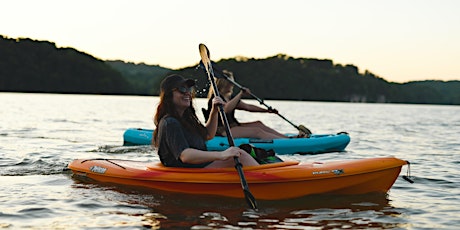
pixel 399 40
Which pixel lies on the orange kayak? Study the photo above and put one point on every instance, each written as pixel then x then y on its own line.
pixel 276 181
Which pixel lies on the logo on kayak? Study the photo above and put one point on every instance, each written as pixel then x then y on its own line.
pixel 97 169
pixel 338 171
pixel 335 172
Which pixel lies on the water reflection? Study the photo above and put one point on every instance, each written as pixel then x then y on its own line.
pixel 168 210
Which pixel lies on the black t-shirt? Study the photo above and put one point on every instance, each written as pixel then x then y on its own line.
pixel 173 139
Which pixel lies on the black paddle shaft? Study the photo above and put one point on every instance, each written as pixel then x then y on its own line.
pixel 250 199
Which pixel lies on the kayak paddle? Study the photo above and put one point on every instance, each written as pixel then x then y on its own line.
pixel 205 58
pixel 220 74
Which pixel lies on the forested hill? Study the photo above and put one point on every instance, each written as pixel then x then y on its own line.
pixel 144 78
pixel 288 78
pixel 39 66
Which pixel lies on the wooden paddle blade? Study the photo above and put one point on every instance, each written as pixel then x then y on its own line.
pixel 205 56
pixel 218 73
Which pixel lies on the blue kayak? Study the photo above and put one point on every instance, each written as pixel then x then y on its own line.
pixel 317 143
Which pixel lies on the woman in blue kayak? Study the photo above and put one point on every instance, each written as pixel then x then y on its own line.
pixel 255 129
pixel 180 136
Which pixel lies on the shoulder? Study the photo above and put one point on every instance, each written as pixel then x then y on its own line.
pixel 169 121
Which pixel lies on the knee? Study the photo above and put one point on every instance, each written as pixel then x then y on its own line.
pixel 259 123
pixel 255 123
pixel 260 133
pixel 247 160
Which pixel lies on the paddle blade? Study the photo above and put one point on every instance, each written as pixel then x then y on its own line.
pixel 217 72
pixel 305 130
pixel 250 199
pixel 205 56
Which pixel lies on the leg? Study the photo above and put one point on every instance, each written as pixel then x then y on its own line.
pixel 253 132
pixel 265 128
pixel 245 160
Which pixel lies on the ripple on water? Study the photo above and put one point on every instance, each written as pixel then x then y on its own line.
pixel 32 166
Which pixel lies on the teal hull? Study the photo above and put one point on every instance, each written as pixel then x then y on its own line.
pixel 317 143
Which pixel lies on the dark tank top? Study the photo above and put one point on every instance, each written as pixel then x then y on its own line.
pixel 232 121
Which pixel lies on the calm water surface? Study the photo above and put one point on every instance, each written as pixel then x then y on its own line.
pixel 41 133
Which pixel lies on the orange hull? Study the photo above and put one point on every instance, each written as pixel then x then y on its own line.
pixel 276 181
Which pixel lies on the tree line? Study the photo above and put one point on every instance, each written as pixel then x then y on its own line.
pixel 39 66
pixel 282 77
pixel 28 65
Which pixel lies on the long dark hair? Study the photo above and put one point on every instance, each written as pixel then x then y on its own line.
pixel 189 120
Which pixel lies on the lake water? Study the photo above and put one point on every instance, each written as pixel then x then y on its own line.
pixel 41 133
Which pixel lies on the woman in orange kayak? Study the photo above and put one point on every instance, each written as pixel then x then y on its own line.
pixel 179 135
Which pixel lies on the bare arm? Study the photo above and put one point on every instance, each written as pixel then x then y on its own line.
pixel 195 156
pixel 237 103
pixel 211 124
pixel 233 103
pixel 251 108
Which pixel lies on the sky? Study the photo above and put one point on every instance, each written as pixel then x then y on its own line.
pixel 398 40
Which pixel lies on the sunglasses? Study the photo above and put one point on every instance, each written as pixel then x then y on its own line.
pixel 185 90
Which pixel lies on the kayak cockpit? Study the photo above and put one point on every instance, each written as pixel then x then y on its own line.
pixel 158 166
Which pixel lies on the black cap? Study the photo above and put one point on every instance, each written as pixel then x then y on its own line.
pixel 174 81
